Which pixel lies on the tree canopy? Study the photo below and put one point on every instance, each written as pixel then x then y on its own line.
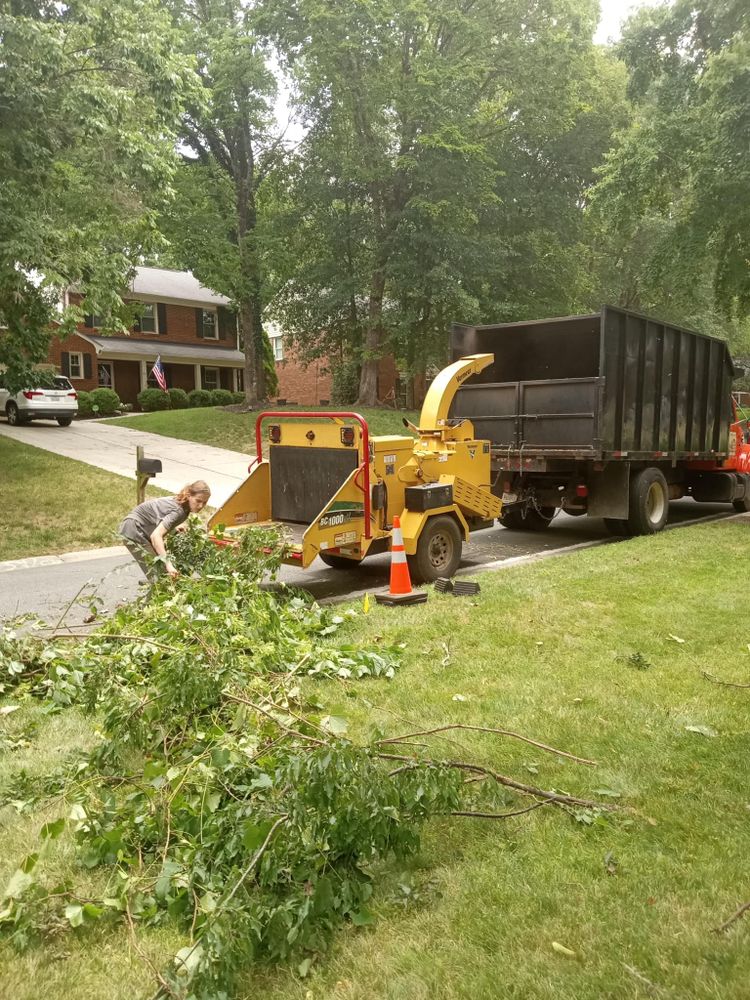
pixel 90 95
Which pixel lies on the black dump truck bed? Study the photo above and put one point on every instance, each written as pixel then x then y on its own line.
pixel 610 385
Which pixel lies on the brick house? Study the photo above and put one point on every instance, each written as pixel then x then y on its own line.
pixel 190 327
pixel 193 331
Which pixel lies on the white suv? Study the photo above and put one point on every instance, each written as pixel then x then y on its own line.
pixel 59 402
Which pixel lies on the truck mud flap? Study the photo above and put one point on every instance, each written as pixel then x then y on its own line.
pixel 609 491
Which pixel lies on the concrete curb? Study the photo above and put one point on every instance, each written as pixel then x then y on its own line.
pixel 64 557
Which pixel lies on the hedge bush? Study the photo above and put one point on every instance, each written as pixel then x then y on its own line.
pixel 238 397
pixel 221 397
pixel 105 402
pixel 199 397
pixel 178 399
pixel 153 399
pixel 85 403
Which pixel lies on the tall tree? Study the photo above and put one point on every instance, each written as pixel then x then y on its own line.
pixel 234 144
pixel 681 172
pixel 90 94
pixel 418 112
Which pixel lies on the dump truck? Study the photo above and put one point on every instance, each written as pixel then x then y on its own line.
pixel 611 414
pixel 335 489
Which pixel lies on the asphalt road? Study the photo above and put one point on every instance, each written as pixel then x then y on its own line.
pixel 47 591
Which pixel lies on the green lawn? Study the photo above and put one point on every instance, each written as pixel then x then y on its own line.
pixel 236 431
pixel 582 652
pixel 53 504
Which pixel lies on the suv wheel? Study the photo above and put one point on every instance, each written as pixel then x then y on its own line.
pixel 65 421
pixel 14 417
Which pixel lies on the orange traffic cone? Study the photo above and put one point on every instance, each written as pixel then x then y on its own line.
pixel 400 589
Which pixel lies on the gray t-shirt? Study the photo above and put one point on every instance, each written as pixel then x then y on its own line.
pixel 141 523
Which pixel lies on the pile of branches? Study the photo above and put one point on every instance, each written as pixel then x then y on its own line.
pixel 218 798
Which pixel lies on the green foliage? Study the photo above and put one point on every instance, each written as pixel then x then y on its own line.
pixel 87 128
pixel 345 383
pixel 105 402
pixel 178 399
pixel 85 403
pixel 221 397
pixel 199 398
pixel 151 400
pixel 215 805
pixel 238 397
pixel 676 181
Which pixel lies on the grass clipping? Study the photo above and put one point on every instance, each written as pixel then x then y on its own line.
pixel 218 799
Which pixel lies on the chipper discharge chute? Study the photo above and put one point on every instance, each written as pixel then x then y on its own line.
pixel 336 490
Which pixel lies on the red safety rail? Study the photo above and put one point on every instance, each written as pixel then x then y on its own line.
pixel 329 415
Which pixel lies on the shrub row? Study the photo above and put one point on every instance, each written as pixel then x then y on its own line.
pixel 177 399
pixel 102 402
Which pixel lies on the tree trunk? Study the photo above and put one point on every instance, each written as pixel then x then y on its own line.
pixel 247 326
pixel 368 382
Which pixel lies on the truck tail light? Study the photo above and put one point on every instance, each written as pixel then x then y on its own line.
pixel 582 490
pixel 347 436
pixel 274 433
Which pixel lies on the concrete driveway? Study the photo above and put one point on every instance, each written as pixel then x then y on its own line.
pixel 112 448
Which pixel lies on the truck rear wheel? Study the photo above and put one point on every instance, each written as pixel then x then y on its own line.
pixel 649 502
pixel 438 550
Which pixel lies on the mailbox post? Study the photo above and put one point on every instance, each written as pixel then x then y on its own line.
pixel 145 469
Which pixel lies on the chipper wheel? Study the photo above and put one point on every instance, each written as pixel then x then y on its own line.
pixel 438 550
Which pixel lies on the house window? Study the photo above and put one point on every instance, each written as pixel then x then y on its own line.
pixel 277 343
pixel 97 321
pixel 75 362
pixel 210 378
pixel 104 375
pixel 210 326
pixel 149 318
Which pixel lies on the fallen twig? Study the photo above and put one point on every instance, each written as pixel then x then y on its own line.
pixel 506 815
pixel 487 729
pixel 728 684
pixel 735 916
pixel 538 793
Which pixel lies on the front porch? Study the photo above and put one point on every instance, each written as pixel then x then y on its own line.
pixel 126 366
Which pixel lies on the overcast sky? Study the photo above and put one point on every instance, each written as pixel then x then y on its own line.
pixel 614 12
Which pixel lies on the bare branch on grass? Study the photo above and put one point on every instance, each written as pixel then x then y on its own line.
pixel 716 680
pixel 488 729
pixel 735 917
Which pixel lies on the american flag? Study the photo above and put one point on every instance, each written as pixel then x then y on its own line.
pixel 158 373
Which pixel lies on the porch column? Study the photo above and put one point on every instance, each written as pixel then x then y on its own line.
pixel 198 384
pixel 144 374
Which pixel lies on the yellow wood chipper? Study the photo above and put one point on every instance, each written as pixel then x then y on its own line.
pixel 336 490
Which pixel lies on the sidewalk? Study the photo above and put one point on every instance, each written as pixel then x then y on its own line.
pixel 113 449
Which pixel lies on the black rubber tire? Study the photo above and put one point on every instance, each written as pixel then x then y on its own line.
pixel 574 511
pixel 13 415
pixel 743 506
pixel 617 527
pixel 338 562
pixel 533 521
pixel 438 550
pixel 649 502
pixel 65 421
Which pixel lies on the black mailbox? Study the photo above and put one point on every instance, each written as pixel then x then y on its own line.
pixel 149 466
